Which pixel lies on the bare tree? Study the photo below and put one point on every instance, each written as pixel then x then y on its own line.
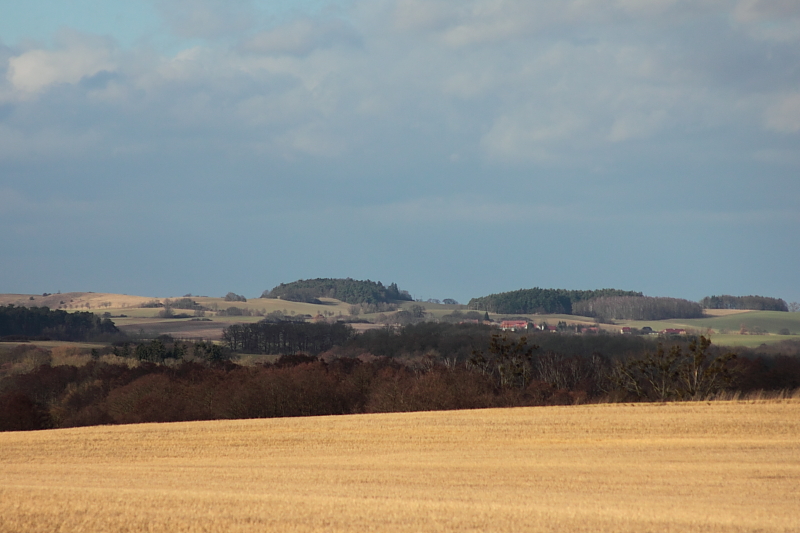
pixel 509 361
pixel 700 374
pixel 672 374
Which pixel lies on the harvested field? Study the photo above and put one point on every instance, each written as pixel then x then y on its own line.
pixel 724 466
pixel 180 329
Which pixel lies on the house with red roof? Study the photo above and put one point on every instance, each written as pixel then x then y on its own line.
pixel 514 325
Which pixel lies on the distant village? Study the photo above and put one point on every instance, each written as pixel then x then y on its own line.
pixel 527 325
pixel 580 329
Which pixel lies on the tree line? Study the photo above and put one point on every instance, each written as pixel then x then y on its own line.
pixel 507 370
pixel 55 324
pixel 540 301
pixel 285 337
pixel 756 303
pixel 454 341
pixel 638 308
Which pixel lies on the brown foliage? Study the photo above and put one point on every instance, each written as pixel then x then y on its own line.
pixel 19 413
pixel 338 382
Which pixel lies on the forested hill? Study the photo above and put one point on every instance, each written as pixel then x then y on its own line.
pixel 543 301
pixel 58 324
pixel 347 290
pixel 757 303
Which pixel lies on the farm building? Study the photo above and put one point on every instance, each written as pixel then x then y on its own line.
pixel 514 325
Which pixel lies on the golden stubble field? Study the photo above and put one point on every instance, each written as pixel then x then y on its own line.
pixel 723 466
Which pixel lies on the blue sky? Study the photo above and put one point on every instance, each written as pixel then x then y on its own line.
pixel 458 148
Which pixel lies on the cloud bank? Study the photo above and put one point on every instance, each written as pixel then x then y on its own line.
pixel 559 117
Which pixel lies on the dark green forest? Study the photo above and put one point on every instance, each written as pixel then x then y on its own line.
pixel 613 304
pixel 347 290
pixel 755 303
pixel 57 325
pixel 541 301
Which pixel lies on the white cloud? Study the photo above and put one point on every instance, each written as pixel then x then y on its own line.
pixel 478 31
pixel 504 80
pixel 313 139
pixel 445 117
pixel 636 125
pixel 77 57
pixel 531 136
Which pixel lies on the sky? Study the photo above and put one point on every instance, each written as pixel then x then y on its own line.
pixel 456 147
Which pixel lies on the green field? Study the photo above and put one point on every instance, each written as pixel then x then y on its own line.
pixel 750 341
pixel 767 321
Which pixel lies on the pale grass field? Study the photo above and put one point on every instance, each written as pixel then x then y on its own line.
pixel 686 467
pixel 724 312
pixel 129 304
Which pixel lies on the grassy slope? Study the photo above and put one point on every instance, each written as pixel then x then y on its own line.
pixel 724 330
pixel 690 467
pixel 771 321
pixel 750 341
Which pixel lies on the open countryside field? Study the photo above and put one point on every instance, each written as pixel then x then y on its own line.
pixel 771 322
pixel 722 325
pixel 750 341
pixel 131 305
pixel 146 318
pixel 710 467
pixel 761 327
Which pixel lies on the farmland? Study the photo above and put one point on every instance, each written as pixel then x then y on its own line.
pixel 723 326
pixel 720 466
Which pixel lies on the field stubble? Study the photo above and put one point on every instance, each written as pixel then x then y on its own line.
pixel 720 466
